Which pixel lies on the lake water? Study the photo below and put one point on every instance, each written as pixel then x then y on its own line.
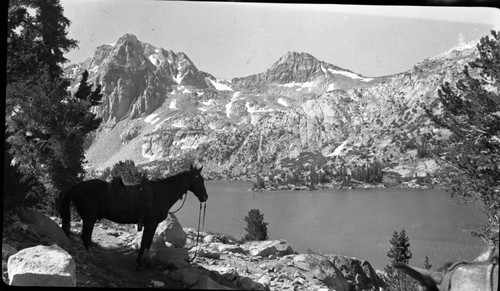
pixel 357 223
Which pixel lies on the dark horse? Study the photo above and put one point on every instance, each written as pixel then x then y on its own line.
pixel 97 199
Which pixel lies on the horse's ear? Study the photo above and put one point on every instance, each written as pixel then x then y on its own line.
pixel 199 170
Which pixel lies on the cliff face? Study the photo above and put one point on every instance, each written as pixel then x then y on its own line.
pixel 160 108
pixel 136 77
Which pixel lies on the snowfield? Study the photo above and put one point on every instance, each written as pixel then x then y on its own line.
pixel 220 86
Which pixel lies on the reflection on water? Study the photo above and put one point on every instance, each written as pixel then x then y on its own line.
pixel 356 223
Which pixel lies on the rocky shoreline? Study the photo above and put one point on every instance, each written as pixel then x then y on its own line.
pixel 220 262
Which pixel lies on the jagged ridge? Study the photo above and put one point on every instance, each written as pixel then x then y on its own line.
pixel 250 125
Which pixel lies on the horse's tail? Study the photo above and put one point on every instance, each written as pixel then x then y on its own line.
pixel 64 210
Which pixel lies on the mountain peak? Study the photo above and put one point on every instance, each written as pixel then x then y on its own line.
pixel 296 57
pixel 127 37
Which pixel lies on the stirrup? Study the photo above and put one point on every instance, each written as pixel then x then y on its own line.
pixel 139 226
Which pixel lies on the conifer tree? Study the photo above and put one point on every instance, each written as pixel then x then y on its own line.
pixel 256 227
pixel 399 252
pixel 470 110
pixel 45 125
pixel 427 264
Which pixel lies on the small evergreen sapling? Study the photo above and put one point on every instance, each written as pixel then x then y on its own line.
pixel 256 227
pixel 399 252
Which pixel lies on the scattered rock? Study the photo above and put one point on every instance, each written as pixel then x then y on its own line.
pixel 263 249
pixel 320 267
pixel 357 272
pixel 222 263
pixel 206 252
pixel 42 266
pixel 264 280
pixel 155 283
pixel 226 248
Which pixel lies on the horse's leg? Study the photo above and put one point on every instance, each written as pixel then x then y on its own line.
pixel 146 241
pixel 88 227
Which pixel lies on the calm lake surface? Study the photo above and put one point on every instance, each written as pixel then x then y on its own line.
pixel 357 223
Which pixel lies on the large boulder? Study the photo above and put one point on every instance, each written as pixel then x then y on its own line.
pixel 268 247
pixel 323 269
pixel 168 233
pixel 42 266
pixel 226 248
pixel 171 231
pixel 45 227
pixel 360 273
pixel 107 239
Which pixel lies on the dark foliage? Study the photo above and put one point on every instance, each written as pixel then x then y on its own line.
pixel 470 111
pixel 256 227
pixel 45 126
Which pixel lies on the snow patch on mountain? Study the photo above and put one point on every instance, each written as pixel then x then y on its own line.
pixel 181 89
pixel 331 87
pixel 220 86
pixel 283 102
pixel 209 103
pixel 350 75
pixel 173 104
pixel 298 84
pixel 152 118
pixel 154 60
pixel 338 149
pixel 178 78
pixel 253 108
pixel 160 124
pixel 178 124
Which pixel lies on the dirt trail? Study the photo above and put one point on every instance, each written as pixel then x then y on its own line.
pixel 115 265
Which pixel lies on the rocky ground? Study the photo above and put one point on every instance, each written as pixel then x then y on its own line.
pixel 220 263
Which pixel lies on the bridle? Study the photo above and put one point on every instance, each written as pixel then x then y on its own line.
pixel 203 205
pixel 202 227
pixel 185 195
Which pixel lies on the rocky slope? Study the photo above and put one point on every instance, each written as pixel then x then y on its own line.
pixel 302 116
pixel 216 262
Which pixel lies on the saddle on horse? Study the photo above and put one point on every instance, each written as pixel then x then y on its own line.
pixel 139 194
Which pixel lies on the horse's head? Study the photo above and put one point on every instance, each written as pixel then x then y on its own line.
pixel 481 274
pixel 197 184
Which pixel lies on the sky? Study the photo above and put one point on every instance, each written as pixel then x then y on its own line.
pixel 228 39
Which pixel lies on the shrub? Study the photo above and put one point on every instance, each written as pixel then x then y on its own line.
pixel 256 227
